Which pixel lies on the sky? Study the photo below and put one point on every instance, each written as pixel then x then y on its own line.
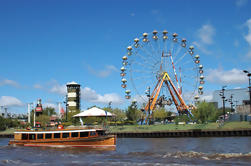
pixel 44 44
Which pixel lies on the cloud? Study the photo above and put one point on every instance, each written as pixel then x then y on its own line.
pixel 53 105
pixel 248 36
pixel 10 101
pixel 249 53
pixel 87 93
pixel 207 97
pixel 8 82
pixel 205 36
pixel 92 96
pixel 105 72
pixel 52 87
pixel 37 86
pixel 237 87
pixel 219 76
pixel 206 33
pixel 240 3
pixel 141 99
pixel 202 48
pixel 58 89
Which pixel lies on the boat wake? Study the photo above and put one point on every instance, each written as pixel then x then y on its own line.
pixel 192 154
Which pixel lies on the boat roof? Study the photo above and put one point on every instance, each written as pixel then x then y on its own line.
pixel 52 131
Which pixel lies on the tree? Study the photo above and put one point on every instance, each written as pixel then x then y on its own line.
pixel 119 114
pixel 181 118
pixel 160 114
pixel 43 119
pixel 73 120
pixel 132 113
pixel 206 112
pixel 2 124
pixel 8 123
pixel 49 111
pixel 92 120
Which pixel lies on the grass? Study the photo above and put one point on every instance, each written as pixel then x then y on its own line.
pixel 8 131
pixel 172 127
pixel 237 125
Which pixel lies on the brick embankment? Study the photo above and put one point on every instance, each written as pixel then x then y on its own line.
pixel 186 133
pixel 179 133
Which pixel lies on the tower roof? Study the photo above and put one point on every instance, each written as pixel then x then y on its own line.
pixel 72 83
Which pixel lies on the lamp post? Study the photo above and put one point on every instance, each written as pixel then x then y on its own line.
pixel 236 101
pixel 66 107
pixel 149 100
pixel 231 102
pixel 29 112
pixel 249 83
pixel 223 100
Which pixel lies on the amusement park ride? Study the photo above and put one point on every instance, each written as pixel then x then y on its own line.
pixel 152 62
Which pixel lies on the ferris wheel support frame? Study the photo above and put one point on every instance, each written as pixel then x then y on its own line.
pixel 182 107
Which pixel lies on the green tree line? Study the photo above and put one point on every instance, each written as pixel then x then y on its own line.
pixel 204 112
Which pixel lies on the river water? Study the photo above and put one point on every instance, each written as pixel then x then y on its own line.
pixel 137 151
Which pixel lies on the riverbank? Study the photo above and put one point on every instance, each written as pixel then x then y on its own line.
pixel 173 130
pixel 7 133
pixel 183 127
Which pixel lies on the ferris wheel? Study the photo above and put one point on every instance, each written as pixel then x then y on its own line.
pixel 167 66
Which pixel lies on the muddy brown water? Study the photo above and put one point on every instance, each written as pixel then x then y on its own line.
pixel 137 151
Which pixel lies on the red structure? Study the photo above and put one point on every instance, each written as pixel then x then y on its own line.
pixel 39 108
pixel 38 111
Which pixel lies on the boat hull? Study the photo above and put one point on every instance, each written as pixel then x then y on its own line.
pixel 104 142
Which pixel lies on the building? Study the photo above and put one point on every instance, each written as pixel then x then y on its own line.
pixel 240 103
pixel 73 97
pixel 243 109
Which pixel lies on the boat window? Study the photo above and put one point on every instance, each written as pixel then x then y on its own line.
pixel 56 135
pixel 101 132
pixel 92 133
pixel 75 134
pixel 24 136
pixel 32 137
pixel 83 134
pixel 66 135
pixel 48 136
pixel 40 136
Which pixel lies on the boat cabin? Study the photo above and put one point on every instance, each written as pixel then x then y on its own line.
pixel 57 134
